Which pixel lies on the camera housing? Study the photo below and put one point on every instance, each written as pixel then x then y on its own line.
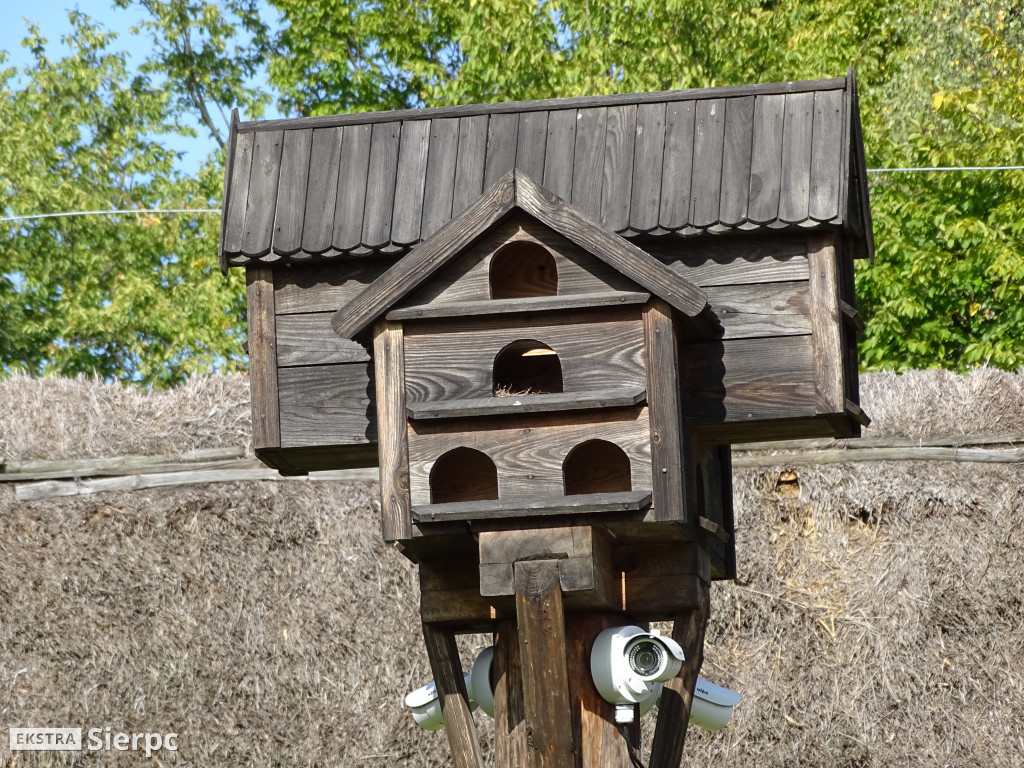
pixel 426 705
pixel 629 665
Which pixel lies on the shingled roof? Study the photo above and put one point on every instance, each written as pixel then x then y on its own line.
pixel 685 163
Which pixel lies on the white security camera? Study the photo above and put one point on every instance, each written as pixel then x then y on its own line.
pixel 629 667
pixel 712 705
pixel 480 687
pixel 426 705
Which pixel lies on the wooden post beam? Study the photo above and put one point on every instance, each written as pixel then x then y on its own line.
pixel 510 742
pixel 451 688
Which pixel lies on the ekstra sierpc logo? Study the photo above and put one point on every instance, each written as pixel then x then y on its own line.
pixel 70 740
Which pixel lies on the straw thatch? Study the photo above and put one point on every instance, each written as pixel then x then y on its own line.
pixel 877 619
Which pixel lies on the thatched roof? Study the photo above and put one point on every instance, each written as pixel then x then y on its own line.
pixel 877 619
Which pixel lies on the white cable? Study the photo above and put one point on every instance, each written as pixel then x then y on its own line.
pixel 129 211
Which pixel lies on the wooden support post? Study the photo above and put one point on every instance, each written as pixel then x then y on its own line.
pixel 542 645
pixel 451 688
pixel 674 707
pixel 510 744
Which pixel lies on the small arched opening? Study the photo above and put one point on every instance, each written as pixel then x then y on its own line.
pixel 527 367
pixel 463 474
pixel 523 269
pixel 596 466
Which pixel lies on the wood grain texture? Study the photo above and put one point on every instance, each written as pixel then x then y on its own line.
pixel 542 648
pixel 627 501
pixel 393 444
pixel 321 190
pixel 588 166
pixel 826 321
pixel 409 186
pixel 664 403
pixel 263 381
pixel 739 137
pixel 674 708
pixel 308 340
pixel 796 157
pixel 380 183
pixel 560 152
pixel 451 688
pixel 439 185
pixel 676 172
pixel 291 193
pixel 708 143
pixel 238 196
pixel 766 159
pixel 490 307
pixel 352 185
pixel 327 405
pixel 598 349
pixel 617 177
pixel 510 741
pixel 502 140
pixel 531 144
pixel 326 286
pixel 826 156
pixel 728 261
pixel 469 166
pixel 501 406
pixel 262 197
pixel 762 310
pixel 529 451
pixel 648 159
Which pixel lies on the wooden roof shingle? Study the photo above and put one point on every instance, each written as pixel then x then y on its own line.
pixel 684 163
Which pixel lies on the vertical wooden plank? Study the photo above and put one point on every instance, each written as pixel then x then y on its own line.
pixel 392 437
pixel 826 155
pixel 451 688
pixel 502 139
pixel 510 745
pixel 439 189
pixel 352 181
pixel 739 133
pixel 409 186
pixel 766 159
pixel 708 141
pixel 266 408
pixel 380 183
pixel 588 160
pixel 665 408
pixel 826 322
pixel 241 165
pixel 648 154
pixel 291 192
pixel 531 144
pixel 262 202
pixel 677 165
pixel 322 190
pixel 559 152
pixel 469 167
pixel 542 646
pixel 677 696
pixel 617 178
pixel 796 157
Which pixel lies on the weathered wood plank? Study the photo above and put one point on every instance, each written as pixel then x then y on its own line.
pixel 588 163
pixel 409 187
pixel 500 406
pixel 510 738
pixel 826 156
pixel 708 142
pixel 663 400
pixel 648 157
pixel 518 306
pixel 451 688
pixel 326 286
pixel 352 183
pixel 736 262
pixel 796 157
pixel 739 137
pixel 291 193
pixel 766 159
pixel 843 455
pixel 308 340
pixel 439 186
pixel 322 190
pixel 617 176
pixel 200 458
pixel 591 503
pixel 531 144
pixel 764 310
pixel 393 442
pixel 542 647
pixel 559 152
pixel 327 405
pixel 469 166
pixel 826 322
pixel 263 379
pixel 237 195
pixel 380 184
pixel 262 197
pixel 502 140
pixel 678 165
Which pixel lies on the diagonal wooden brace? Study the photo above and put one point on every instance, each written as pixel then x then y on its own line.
pixel 451 688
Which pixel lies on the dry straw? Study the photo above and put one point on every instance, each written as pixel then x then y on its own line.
pixel 877 619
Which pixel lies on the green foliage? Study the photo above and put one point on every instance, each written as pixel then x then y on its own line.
pixel 130 297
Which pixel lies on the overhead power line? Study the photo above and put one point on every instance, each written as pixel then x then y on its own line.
pixel 949 168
